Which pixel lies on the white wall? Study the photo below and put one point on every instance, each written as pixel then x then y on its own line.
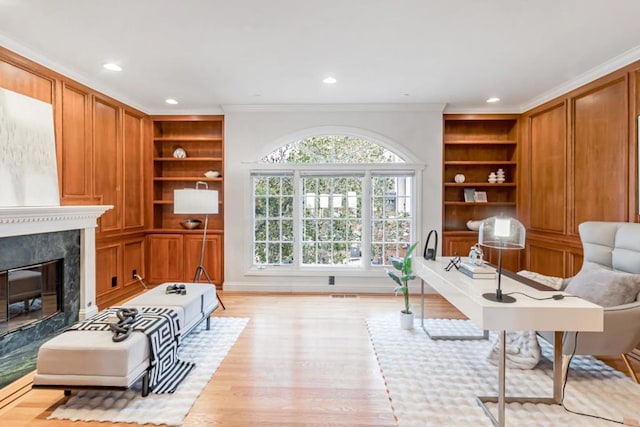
pixel 252 132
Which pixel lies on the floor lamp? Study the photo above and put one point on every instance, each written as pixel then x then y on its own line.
pixel 199 201
pixel 501 232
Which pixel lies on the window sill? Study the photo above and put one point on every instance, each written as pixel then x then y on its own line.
pixel 315 271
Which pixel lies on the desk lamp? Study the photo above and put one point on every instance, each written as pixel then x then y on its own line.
pixel 501 232
pixel 201 201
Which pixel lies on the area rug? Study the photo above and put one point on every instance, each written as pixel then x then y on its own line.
pixel 207 348
pixel 435 383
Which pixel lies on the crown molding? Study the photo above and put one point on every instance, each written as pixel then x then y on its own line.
pixel 315 108
pixel 595 73
pixel 61 69
pixel 503 109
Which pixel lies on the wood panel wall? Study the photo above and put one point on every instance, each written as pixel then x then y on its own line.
pixel 100 157
pixel 578 163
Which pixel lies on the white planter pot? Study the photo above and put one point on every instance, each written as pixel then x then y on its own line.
pixel 406 320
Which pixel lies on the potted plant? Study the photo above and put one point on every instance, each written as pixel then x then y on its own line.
pixel 403 265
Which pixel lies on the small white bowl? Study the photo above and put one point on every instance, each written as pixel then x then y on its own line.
pixel 212 174
pixel 474 225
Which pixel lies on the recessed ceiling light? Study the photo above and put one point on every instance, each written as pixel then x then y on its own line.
pixel 171 101
pixel 329 80
pixel 493 99
pixel 112 67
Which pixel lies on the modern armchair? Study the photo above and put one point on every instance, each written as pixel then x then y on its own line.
pixel 616 247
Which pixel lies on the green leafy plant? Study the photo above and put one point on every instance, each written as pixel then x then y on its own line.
pixel 403 265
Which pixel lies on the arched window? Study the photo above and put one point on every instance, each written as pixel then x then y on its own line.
pixel 332 149
pixel 335 200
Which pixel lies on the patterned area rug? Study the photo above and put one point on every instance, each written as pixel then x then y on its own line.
pixel 206 348
pixel 435 383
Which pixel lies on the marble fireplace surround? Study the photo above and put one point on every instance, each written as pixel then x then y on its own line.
pixel 20 221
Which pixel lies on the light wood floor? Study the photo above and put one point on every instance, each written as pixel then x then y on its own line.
pixel 303 360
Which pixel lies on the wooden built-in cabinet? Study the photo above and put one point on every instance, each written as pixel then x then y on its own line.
pixel 475 146
pixel 174 252
pixel 119 135
pixel 99 148
pixel 578 164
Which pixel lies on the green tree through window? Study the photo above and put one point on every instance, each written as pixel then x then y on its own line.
pixel 329 207
pixel 332 149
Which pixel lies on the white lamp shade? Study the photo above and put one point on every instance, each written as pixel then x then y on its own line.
pixel 502 232
pixel 195 201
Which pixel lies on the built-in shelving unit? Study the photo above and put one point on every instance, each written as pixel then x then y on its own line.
pixel 174 252
pixel 475 146
pixel 202 138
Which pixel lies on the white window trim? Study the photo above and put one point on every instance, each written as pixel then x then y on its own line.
pixel 296 269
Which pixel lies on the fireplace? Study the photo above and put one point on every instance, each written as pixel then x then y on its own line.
pixel 57 242
pixel 30 294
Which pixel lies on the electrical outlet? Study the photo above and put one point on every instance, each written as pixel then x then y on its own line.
pixel 114 282
pixel 332 280
pixel 134 273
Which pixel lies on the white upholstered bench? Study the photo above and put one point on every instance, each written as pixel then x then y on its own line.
pixel 91 360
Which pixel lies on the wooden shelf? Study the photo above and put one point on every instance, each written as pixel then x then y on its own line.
pixel 187 178
pixel 479 184
pixel 458 203
pixel 479 163
pixel 461 233
pixel 185 231
pixel 169 202
pixel 479 142
pixel 188 139
pixel 187 159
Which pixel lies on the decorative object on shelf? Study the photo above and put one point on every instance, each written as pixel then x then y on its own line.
pixel 500 176
pixel 179 153
pixel 212 174
pixel 404 266
pixel 480 197
pixel 459 178
pixel 191 224
pixel 493 177
pixel 474 225
pixel 501 232
pixel 476 255
pixel 469 195
pixel 198 201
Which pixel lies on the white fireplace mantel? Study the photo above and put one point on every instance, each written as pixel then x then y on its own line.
pixel 20 221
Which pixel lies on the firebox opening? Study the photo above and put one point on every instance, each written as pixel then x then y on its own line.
pixel 30 294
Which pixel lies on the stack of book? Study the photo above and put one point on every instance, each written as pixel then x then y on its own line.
pixel 477 271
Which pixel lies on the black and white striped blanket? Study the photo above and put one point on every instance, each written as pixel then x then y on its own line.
pixel 161 326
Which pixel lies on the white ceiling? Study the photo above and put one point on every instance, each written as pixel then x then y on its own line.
pixel 213 53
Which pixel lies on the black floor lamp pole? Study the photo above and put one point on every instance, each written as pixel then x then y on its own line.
pixel 200 269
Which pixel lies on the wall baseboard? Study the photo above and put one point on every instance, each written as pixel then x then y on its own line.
pixel 299 287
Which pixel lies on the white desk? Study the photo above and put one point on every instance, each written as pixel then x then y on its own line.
pixel 465 293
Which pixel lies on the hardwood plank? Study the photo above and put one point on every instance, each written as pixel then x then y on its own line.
pixel 302 360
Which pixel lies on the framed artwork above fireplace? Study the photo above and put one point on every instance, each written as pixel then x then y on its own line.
pixel 28 170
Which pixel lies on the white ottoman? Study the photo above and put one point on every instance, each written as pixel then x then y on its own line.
pixel 199 301
pixel 91 360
